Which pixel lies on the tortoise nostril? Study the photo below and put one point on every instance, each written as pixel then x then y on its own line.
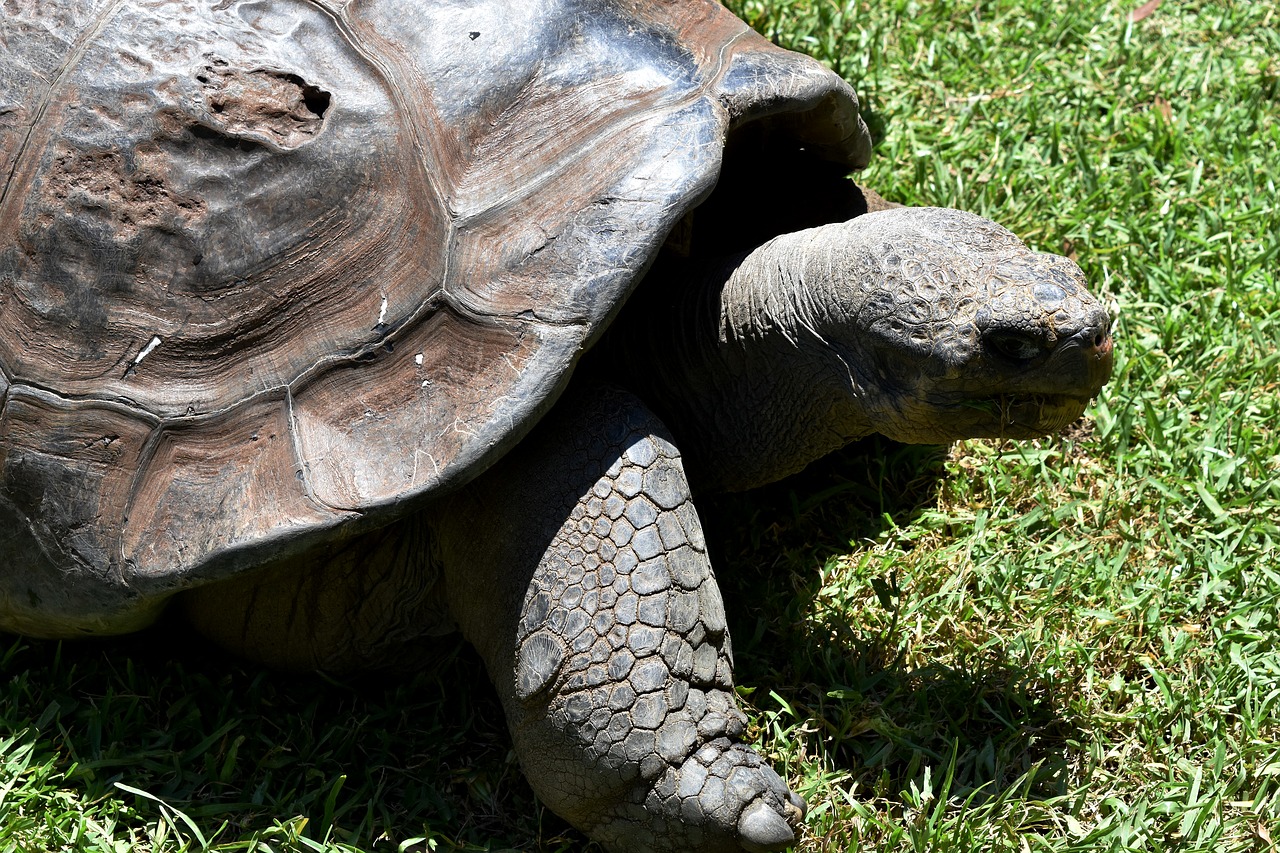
pixel 1100 337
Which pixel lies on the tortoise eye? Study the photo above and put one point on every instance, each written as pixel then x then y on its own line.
pixel 1015 346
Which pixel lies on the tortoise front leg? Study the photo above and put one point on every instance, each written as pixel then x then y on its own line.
pixel 579 570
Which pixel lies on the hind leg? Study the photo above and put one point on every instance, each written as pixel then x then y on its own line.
pixel 578 569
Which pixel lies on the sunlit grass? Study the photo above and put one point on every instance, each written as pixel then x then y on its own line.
pixel 1081 654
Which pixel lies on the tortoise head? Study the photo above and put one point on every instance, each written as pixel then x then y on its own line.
pixel 952 328
pixel 922 324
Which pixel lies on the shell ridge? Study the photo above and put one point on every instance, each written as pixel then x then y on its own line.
pixel 635 118
pixel 343 22
pixel 146 455
pixel 116 560
pixel 472 309
pixel 387 338
pixel 723 60
pixel 304 466
pixel 127 404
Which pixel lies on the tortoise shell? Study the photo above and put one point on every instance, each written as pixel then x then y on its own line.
pixel 272 272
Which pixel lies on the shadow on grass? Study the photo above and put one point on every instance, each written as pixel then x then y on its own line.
pixel 876 719
pixel 364 760
pixel 237 748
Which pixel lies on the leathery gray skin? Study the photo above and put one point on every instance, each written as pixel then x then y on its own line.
pixel 589 593
pixel 577 565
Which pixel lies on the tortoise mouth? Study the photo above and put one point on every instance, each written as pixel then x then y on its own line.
pixel 1016 415
pixel 1077 370
pixel 1027 414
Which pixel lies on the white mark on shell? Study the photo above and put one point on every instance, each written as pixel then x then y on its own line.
pixel 382 312
pixel 417 359
pixel 146 351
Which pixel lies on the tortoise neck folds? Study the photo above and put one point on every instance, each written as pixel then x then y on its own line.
pixel 730 357
pixel 926 325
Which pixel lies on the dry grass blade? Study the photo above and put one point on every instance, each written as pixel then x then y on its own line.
pixel 1145 10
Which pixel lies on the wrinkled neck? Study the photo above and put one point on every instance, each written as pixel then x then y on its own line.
pixel 736 361
pixel 770 295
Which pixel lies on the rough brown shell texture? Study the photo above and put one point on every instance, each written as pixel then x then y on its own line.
pixel 277 271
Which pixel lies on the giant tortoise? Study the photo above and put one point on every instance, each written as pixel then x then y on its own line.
pixel 316 323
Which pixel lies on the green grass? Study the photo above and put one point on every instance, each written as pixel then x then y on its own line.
pixel 1053 646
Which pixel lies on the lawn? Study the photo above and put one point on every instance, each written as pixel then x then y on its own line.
pixel 1061 645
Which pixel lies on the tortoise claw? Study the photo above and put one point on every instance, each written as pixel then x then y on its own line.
pixel 762 830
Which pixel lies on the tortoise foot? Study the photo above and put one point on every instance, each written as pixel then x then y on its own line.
pixel 723 797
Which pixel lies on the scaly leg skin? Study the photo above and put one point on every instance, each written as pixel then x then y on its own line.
pixel 578 568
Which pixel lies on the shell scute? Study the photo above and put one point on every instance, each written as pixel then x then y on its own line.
pixel 241 471
pixel 137 210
